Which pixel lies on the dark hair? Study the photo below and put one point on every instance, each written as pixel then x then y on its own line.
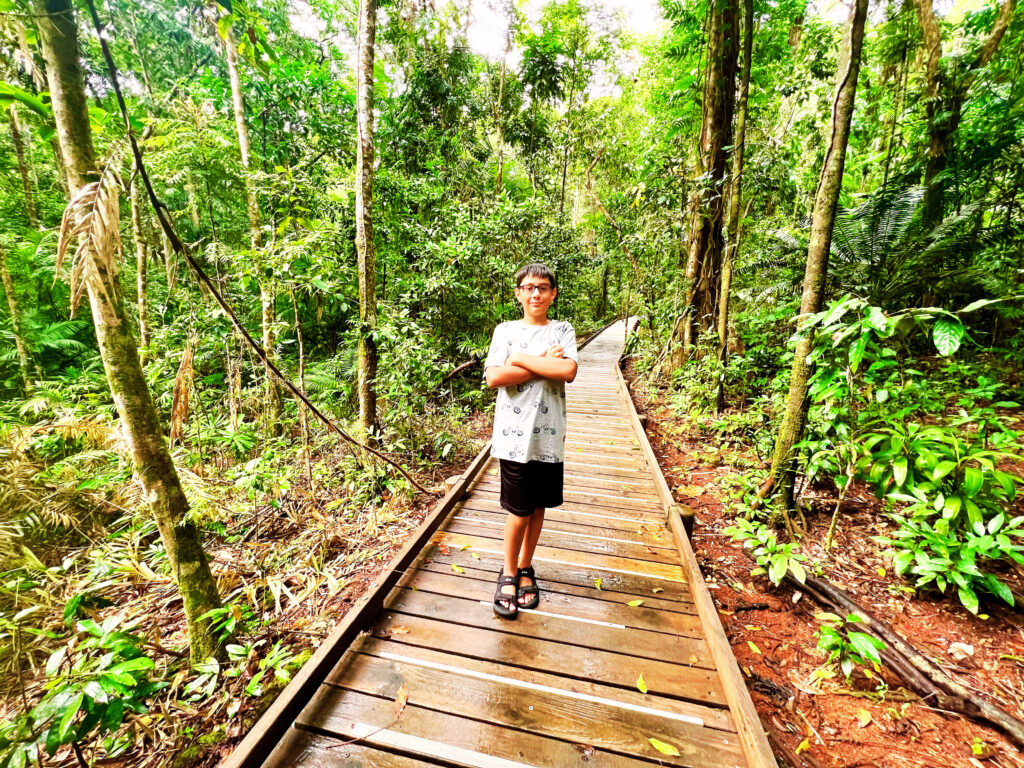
pixel 536 269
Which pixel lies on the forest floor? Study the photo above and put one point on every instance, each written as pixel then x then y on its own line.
pixel 813 715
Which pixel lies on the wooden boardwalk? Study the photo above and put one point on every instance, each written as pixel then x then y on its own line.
pixel 622 598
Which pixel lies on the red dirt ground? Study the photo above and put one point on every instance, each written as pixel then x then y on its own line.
pixel 830 722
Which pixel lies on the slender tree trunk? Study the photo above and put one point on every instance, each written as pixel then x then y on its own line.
pixel 26 179
pixel 16 323
pixel 501 132
pixel 154 468
pixel 706 241
pixel 732 228
pixel 365 248
pixel 823 223
pixel 303 421
pixel 267 298
pixel 141 267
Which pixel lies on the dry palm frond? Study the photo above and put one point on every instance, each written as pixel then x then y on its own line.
pixel 93 217
pixel 184 383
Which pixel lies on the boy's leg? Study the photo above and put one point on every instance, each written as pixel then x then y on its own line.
pixel 534 524
pixel 515 534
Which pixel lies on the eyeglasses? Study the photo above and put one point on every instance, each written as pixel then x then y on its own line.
pixel 543 290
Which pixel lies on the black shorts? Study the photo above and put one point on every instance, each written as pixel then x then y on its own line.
pixel 527 487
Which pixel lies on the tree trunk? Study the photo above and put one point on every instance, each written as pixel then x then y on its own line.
pixel 732 236
pixel 944 99
pixel 823 223
pixel 267 298
pixel 16 326
pixel 141 267
pixel 154 468
pixel 365 249
pixel 26 180
pixel 706 242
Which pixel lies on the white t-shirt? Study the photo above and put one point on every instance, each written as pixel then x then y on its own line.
pixel 529 419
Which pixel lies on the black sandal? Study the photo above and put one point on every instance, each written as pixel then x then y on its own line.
pixel 512 611
pixel 529 589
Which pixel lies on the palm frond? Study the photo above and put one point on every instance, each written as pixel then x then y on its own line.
pixel 93 217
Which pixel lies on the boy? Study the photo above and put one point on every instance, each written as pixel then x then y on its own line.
pixel 529 362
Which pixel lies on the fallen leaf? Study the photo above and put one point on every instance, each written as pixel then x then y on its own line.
pixel 458 569
pixel 881 571
pixel 803 746
pixel 641 684
pixel 464 546
pixel 474 555
pixel 401 699
pixel 656 590
pixel 863 718
pixel 399 630
pixel 635 603
pixel 444 548
pixel 753 647
pixel 753 628
pixel 693 659
pixel 665 749
pixel 961 651
pixel 691 490
pixel 597 583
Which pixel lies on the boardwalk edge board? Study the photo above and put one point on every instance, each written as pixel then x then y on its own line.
pixel 275 723
pixel 752 737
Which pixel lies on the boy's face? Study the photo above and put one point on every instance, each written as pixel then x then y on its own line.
pixel 535 294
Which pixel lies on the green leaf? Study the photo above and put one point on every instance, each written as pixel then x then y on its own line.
pixel 665 749
pixel 973 480
pixel 899 471
pixel 947 334
pixel 942 469
pixel 866 645
pixel 12 93
pixel 132 665
pixel 968 598
pixel 641 684
pixel 777 569
pixel 798 571
pixel 67 720
pixel 857 352
pixel 999 589
pixel 876 319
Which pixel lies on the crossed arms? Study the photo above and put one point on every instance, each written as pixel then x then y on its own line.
pixel 520 368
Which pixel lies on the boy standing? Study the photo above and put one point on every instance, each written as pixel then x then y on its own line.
pixel 529 362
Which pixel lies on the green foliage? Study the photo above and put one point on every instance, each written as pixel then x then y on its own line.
pixel 93 681
pixel 773 558
pixel 845 646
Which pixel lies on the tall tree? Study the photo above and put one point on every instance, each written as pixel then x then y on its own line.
pixel 706 242
pixel 946 90
pixel 95 201
pixel 267 298
pixel 16 322
pixel 732 228
pixel 26 180
pixel 365 249
pixel 823 221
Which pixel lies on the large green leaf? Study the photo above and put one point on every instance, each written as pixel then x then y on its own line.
pixel 947 334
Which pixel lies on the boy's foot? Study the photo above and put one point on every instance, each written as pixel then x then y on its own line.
pixel 505 597
pixel 527 593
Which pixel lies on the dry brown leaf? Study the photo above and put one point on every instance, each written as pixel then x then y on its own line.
pixel 401 699
pixel 399 630
pixel 444 548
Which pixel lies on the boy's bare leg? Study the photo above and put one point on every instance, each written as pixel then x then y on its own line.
pixel 534 524
pixel 516 529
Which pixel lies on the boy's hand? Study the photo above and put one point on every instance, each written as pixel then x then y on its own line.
pixel 555 351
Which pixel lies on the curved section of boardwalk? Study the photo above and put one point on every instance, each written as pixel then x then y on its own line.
pixel 558 686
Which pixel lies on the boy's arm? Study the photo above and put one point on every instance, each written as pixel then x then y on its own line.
pixel 556 368
pixel 507 376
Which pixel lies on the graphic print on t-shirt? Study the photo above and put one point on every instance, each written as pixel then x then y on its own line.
pixel 529 418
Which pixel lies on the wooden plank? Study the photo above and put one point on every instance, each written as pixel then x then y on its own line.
pixel 561 540
pixel 630 699
pixel 276 721
pixel 479 586
pixel 653 573
pixel 620 501
pixel 616 587
pixel 600 634
pixel 637 516
pixel 430 734
pixel 628 485
pixel 551 712
pixel 491 644
pixel 302 749
pixel 480 502
pixel 559 520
